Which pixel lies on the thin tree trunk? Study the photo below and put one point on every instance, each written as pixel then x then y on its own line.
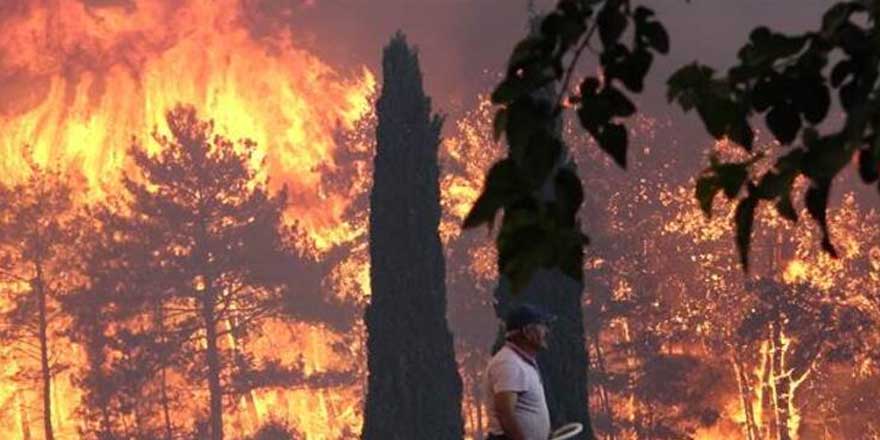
pixel 745 392
pixel 46 374
pixel 240 360
pixel 781 385
pixel 603 392
pixel 213 358
pixel 163 386
pixel 166 412
pixel 767 413
pixel 23 417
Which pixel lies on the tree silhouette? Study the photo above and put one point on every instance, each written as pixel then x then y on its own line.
pixel 195 260
pixel 39 232
pixel 413 390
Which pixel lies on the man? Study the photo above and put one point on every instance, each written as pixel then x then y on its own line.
pixel 517 407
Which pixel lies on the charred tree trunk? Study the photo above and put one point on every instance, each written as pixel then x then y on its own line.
pixel 166 411
pixel 746 395
pixel 212 356
pixel 781 384
pixel 241 364
pixel 413 389
pixel 603 390
pixel 768 415
pixel 23 416
pixel 163 373
pixel 45 371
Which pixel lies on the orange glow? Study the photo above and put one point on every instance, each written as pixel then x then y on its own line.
pixel 795 271
pixel 77 82
pixel 105 74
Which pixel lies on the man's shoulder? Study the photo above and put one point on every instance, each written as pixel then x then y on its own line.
pixel 505 356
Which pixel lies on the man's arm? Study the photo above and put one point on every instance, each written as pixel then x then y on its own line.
pixel 505 405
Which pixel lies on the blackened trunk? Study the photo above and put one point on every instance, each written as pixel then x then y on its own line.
pixel 603 391
pixel 25 422
pixel 782 384
pixel 413 389
pixel 745 393
pixel 166 411
pixel 45 371
pixel 213 359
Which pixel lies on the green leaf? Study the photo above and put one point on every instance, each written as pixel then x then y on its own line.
pixel 618 103
pixel 523 81
pixel 868 166
pixel 837 16
pixel 569 194
pixel 635 69
pixel 841 72
pixel 657 37
pixel 650 32
pixel 849 96
pixel 785 207
pixel 717 114
pixel 569 244
pixel 571 28
pixel 524 119
pixel 731 177
pixel 524 245
pixel 613 140
pixel 707 188
pixel 817 205
pixel 541 156
pixel 741 132
pixel 527 51
pixel 502 186
pixel 593 110
pixel 500 124
pixel 768 91
pixel 688 83
pixel 814 99
pixel 612 22
pixel 766 47
pixel 784 122
pixel 825 157
pixel 744 218
pixel 507 91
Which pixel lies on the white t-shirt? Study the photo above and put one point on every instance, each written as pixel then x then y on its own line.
pixel 509 371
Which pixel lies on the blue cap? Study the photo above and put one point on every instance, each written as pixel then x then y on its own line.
pixel 526 314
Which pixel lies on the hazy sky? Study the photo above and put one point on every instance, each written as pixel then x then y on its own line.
pixel 465 43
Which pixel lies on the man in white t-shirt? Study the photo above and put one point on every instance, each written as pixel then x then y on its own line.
pixel 517 407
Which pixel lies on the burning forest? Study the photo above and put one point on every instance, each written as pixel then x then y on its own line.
pixel 201 238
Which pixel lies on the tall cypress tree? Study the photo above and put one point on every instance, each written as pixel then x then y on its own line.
pixel 564 364
pixel 414 391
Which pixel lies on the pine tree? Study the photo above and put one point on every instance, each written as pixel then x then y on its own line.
pixel 414 391
pixel 39 230
pixel 195 257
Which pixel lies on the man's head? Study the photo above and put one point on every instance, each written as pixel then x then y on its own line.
pixel 528 325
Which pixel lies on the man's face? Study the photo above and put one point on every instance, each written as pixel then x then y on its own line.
pixel 536 334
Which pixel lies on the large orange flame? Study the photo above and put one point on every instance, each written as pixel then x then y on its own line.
pixel 80 81
pixel 80 78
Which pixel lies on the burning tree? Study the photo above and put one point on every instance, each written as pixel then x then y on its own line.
pixel 414 390
pixel 194 260
pixel 39 232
